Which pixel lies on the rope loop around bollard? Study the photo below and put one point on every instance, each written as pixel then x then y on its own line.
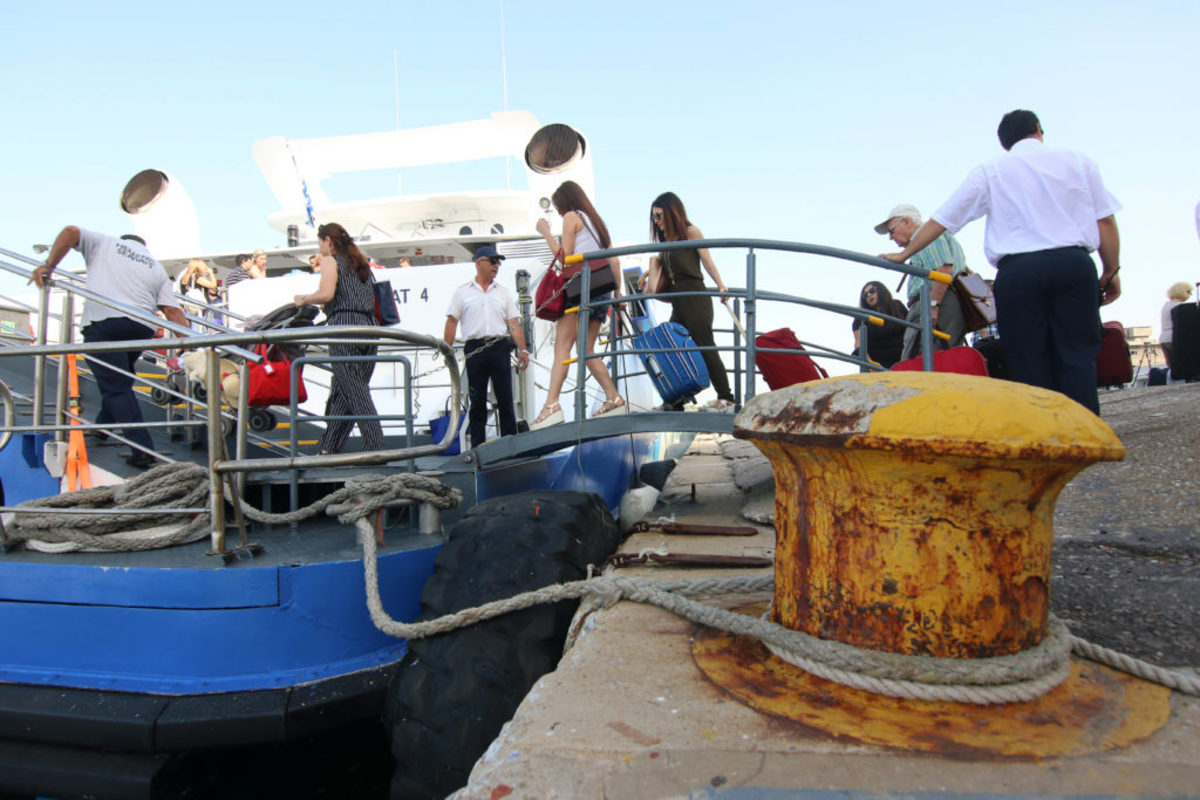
pixel 1002 679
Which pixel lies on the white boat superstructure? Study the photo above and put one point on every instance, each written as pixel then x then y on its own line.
pixel 296 170
pixel 429 228
pixel 434 234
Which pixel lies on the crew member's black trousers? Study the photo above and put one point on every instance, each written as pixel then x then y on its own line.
pixel 489 360
pixel 118 403
pixel 1047 308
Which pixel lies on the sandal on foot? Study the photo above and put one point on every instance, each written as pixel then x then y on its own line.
pixel 720 406
pixel 616 406
pixel 551 415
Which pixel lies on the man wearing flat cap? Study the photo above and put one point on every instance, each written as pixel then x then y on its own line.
pixel 491 324
pixel 943 254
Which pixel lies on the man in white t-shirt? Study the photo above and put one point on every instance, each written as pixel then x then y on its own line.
pixel 121 270
pixel 490 324
pixel 1047 211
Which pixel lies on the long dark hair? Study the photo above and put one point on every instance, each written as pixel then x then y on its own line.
pixel 571 197
pixel 884 302
pixel 675 219
pixel 344 245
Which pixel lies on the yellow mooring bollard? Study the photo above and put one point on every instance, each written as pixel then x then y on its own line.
pixel 914 515
pixel 914 511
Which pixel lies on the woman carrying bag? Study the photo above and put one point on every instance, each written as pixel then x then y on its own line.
pixel 583 231
pixel 679 271
pixel 348 293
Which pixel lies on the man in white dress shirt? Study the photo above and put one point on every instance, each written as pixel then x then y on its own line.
pixel 490 324
pixel 1047 210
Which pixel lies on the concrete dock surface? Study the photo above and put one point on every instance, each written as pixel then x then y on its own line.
pixel 628 713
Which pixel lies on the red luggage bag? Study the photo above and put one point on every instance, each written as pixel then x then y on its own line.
pixel 784 369
pixel 1114 365
pixel 962 360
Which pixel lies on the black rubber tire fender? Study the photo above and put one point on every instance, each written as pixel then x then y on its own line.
pixel 455 691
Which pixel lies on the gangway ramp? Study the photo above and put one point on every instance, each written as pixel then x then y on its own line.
pixel 570 432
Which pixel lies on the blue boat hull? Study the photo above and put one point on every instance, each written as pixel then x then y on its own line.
pixel 198 631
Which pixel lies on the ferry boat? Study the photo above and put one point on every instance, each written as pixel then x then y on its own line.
pixel 115 665
pixel 118 666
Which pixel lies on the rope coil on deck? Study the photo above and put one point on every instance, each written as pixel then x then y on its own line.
pixel 185 485
pixel 180 485
pixel 1004 679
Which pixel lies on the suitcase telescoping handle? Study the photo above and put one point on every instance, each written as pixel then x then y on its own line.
pixel 650 359
pixel 737 322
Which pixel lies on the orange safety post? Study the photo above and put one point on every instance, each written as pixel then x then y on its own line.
pixel 78 469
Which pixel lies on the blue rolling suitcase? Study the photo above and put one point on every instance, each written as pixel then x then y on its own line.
pixel 677 376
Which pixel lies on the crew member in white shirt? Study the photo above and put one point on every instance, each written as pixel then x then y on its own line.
pixel 490 324
pixel 124 271
pixel 1047 210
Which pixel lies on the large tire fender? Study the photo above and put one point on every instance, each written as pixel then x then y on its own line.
pixel 456 690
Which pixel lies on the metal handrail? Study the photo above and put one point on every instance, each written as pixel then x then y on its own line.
pixel 751 295
pixel 240 343
pixel 71 284
pixel 220 466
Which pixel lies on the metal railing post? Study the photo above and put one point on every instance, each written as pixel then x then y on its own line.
pixel 216 488
pixel 863 344
pixel 926 328
pixel 39 361
pixel 751 319
pixel 524 305
pixel 738 376
pixel 581 342
pixel 243 403
pixel 66 334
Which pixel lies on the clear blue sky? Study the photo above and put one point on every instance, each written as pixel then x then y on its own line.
pixel 802 121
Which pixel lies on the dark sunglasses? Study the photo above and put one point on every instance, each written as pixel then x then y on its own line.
pixel 656 215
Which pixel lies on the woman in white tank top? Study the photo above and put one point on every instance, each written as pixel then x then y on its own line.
pixel 583 231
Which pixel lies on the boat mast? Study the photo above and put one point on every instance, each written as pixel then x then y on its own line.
pixel 504 82
pixel 396 86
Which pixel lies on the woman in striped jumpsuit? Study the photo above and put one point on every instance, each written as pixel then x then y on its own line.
pixel 347 291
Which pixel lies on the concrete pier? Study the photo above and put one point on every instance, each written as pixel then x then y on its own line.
pixel 628 714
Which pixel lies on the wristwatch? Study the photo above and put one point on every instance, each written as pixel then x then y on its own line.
pixel 934 303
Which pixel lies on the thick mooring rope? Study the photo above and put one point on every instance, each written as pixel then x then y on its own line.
pixel 186 485
pixel 1004 679
pixel 365 494
pixel 180 485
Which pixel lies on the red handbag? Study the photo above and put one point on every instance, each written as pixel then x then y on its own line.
pixel 270 381
pixel 550 301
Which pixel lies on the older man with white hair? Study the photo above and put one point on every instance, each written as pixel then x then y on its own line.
pixel 943 254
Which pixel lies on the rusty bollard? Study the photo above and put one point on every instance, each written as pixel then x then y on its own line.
pixel 914 511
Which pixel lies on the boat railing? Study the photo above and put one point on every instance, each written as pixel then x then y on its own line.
pixel 747 301
pixel 212 414
pixel 222 469
pixel 213 318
